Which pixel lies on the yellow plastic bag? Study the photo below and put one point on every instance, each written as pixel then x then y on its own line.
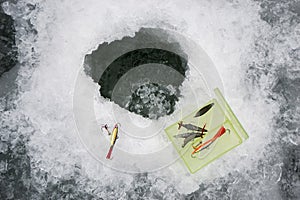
pixel 222 133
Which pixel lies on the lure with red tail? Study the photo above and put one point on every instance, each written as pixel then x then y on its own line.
pixel 114 137
pixel 220 132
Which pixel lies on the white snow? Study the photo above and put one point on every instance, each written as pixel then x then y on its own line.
pixel 68 30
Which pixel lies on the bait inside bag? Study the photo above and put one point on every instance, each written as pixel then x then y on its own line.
pixel 201 139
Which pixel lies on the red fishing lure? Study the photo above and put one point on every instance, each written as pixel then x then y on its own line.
pixel 220 132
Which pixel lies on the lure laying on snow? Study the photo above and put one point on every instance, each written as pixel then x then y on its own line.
pixel 114 137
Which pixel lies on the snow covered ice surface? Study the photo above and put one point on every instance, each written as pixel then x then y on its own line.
pixel 255 48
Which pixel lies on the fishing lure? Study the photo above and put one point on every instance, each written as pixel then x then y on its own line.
pixel 204 110
pixel 202 135
pixel 205 145
pixel 114 137
pixel 185 135
pixel 190 127
pixel 190 138
pixel 105 126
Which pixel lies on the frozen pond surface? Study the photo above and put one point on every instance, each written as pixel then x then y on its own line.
pixel 254 46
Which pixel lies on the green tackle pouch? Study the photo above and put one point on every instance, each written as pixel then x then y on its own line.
pixel 220 114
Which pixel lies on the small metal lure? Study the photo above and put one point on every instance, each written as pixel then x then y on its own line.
pixel 190 127
pixel 185 135
pixel 202 134
pixel 190 138
pixel 204 110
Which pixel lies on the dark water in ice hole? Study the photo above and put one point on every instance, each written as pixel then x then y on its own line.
pixel 141 74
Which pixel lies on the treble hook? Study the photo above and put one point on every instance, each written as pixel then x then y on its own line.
pixel 105 126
